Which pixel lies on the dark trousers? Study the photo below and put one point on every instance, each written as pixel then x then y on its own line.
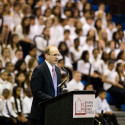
pixel 5 121
pixel 119 94
pixel 107 120
pixel 36 122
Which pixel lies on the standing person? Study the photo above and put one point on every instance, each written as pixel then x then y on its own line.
pixel 44 81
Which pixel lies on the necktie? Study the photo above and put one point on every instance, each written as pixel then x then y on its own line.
pixel 8 112
pixel 54 80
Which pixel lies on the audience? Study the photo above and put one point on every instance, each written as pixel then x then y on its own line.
pixel 88 41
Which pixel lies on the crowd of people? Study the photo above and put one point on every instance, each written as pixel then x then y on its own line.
pixel 91 46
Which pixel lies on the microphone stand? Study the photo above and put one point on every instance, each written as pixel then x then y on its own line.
pixel 63 83
pixel 99 123
pixel 103 119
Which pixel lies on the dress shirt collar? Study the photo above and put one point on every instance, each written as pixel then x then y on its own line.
pixel 49 66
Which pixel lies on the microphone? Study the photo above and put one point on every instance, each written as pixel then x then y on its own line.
pixel 65 71
pixel 63 83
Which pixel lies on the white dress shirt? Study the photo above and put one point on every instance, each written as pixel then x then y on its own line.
pixel 56 32
pixel 101 105
pixel 12 100
pixel 77 54
pixel 111 76
pixel 84 67
pixel 14 60
pixel 109 34
pixel 5 85
pixel 97 64
pixel 50 68
pixel 88 48
pixel 41 44
pixel 27 102
pixel 33 31
pixel 5 110
pixel 27 58
pixel 74 86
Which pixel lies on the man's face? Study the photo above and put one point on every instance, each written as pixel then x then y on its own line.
pixel 19 54
pixel 77 77
pixel 53 56
pixel 102 95
pixel 6 94
pixel 111 66
pixel 10 67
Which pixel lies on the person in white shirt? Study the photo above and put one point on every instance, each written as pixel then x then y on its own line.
pixel 110 46
pixel 56 32
pixel 70 26
pixel 7 109
pixel 102 15
pixel 7 115
pixel 89 46
pixel 75 84
pixel 40 25
pixel 16 14
pixel 10 69
pixel 86 27
pixel 33 28
pixel 111 84
pixel 27 102
pixel 7 16
pixel 76 52
pixel 83 64
pixel 85 67
pixel 23 30
pixel 5 55
pixel 3 81
pixel 42 40
pixel 32 54
pixel 96 62
pixel 66 38
pixel 64 53
pixel 18 56
pixel 79 34
pixel 101 105
pixel 104 59
pixel 110 30
pixel 16 102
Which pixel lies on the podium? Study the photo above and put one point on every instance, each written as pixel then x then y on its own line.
pixel 73 108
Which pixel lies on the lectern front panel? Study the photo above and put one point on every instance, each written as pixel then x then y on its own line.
pixel 59 111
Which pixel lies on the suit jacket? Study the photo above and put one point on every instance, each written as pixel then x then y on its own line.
pixel 42 88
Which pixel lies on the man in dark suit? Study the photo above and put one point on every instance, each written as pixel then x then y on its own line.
pixel 44 82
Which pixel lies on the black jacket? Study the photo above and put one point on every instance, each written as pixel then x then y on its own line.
pixel 42 88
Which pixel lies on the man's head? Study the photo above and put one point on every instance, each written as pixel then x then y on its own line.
pixel 95 53
pixel 6 93
pixel 51 54
pixel 111 65
pixel 89 86
pixel 102 94
pixel 19 54
pixel 32 51
pixel 9 66
pixel 77 76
